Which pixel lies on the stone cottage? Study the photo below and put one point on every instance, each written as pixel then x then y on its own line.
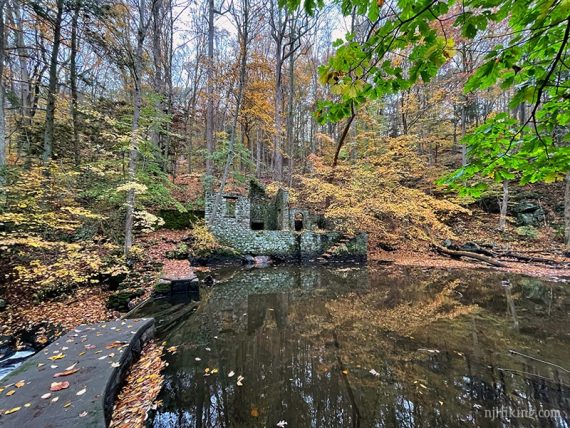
pixel 257 224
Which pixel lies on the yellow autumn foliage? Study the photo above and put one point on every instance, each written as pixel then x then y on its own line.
pixel 42 217
pixel 378 193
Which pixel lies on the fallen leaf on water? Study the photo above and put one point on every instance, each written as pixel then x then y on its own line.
pixel 58 386
pixel 239 381
pixel 214 371
pixel 345 372
pixel 115 365
pixel 53 366
pixel 9 393
pixel 198 359
pixel 20 384
pixel 230 374
pixel 56 357
pixel 88 347
pixel 66 373
pixel 172 349
pixel 281 424
pixel 66 405
pixel 14 410
pixel 40 364
pixel 208 349
pixel 46 396
pixel 71 367
pixel 83 391
pixel 27 404
pixel 103 357
pixel 82 353
pixel 54 399
pixel 254 412
pixel 82 414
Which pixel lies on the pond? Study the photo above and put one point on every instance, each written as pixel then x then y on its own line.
pixel 363 347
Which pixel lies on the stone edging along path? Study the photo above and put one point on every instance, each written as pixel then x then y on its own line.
pixel 73 381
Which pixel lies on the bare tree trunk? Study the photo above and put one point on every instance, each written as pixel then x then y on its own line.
pixel 73 83
pixel 137 105
pixel 567 213
pixel 464 110
pixel 403 115
pixel 291 99
pixel 13 14
pixel 2 117
pixel 244 36
pixel 210 91
pixel 52 86
pixel 504 206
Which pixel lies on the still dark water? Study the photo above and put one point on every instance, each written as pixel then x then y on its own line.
pixel 358 347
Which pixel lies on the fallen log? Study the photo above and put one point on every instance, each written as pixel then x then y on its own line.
pixel 467 254
pixel 530 259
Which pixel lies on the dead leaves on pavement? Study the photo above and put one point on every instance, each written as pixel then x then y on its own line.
pixel 142 386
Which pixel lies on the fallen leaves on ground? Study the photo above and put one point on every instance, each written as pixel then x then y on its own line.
pixel 85 306
pixel 66 373
pixel 58 386
pixel 116 344
pixel 56 357
pixel 142 386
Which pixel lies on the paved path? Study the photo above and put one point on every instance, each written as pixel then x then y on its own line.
pixel 92 359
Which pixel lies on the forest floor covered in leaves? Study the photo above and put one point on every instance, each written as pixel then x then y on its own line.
pixel 481 228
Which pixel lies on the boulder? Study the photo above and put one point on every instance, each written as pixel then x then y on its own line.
pixel 528 213
pixel 119 300
pixel 7 346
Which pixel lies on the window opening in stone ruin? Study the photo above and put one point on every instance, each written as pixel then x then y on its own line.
pixel 230 207
pixel 257 225
pixel 298 222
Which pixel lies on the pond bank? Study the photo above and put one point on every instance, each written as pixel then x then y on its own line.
pixel 426 259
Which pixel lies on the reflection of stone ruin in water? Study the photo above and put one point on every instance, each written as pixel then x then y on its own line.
pixel 257 224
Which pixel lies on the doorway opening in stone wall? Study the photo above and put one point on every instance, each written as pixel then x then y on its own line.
pixel 298 222
pixel 257 225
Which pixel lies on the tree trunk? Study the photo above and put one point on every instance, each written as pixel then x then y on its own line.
pixel 291 99
pixel 24 121
pixel 2 117
pixel 277 155
pixel 52 86
pixel 210 91
pixel 137 105
pixel 504 206
pixel 244 33
pixel 73 83
pixel 567 213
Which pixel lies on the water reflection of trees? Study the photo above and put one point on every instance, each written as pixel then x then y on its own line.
pixel 443 367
